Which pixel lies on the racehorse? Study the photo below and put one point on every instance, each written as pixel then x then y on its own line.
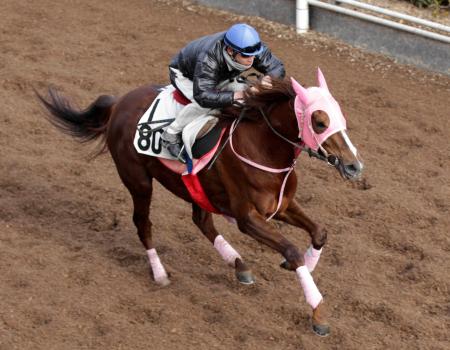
pixel 252 180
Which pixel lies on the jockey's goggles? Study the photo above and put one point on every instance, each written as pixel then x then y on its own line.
pixel 246 51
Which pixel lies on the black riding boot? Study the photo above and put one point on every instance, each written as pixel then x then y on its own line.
pixel 173 144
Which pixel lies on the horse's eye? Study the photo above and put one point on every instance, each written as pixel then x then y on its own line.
pixel 321 125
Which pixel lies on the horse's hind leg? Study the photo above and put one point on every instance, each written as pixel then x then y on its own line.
pixel 295 216
pixel 140 186
pixel 205 223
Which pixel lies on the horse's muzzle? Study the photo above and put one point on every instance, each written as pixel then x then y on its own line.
pixel 351 171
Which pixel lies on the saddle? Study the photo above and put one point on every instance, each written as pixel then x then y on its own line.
pixel 201 137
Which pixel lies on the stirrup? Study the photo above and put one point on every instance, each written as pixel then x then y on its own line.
pixel 170 138
pixel 175 150
pixel 181 156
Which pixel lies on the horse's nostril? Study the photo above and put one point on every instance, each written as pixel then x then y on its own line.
pixel 351 169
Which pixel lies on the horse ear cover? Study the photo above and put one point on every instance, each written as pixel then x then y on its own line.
pixel 321 79
pixel 300 91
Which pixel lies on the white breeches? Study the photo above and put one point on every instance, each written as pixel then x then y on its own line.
pixel 194 110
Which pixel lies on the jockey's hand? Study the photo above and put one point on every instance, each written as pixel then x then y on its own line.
pixel 266 81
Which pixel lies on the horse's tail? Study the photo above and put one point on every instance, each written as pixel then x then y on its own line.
pixel 84 125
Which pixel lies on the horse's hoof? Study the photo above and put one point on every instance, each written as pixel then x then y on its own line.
pixel 163 282
pixel 245 277
pixel 285 265
pixel 319 320
pixel 322 330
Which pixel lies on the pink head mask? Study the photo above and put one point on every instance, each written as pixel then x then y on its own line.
pixel 313 99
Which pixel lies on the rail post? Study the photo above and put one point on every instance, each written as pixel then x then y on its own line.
pixel 302 16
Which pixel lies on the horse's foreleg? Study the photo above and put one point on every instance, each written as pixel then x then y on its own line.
pixel 205 223
pixel 256 226
pixel 141 201
pixel 293 215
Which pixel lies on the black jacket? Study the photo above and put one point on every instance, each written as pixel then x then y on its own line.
pixel 202 62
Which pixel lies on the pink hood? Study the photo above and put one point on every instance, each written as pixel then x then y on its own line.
pixel 313 99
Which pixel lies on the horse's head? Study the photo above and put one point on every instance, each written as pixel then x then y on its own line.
pixel 322 127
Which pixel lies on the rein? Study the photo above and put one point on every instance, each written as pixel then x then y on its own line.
pixel 296 145
pixel 241 115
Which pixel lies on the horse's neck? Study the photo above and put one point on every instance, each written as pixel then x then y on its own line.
pixel 282 118
pixel 261 145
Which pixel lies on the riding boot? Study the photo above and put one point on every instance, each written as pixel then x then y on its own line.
pixel 173 144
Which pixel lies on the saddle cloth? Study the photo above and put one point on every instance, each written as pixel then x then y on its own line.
pixel 157 118
pixel 147 141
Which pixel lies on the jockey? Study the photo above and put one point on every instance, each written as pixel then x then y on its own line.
pixel 200 69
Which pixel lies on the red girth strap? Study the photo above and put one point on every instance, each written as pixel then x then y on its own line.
pixel 197 193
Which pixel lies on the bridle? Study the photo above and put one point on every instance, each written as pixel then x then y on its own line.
pixel 299 147
pixel 330 159
pixel 323 155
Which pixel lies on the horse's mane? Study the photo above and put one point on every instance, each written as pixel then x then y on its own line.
pixel 281 90
pixel 262 97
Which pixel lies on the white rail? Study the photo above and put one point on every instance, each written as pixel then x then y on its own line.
pixel 396 14
pixel 301 28
pixel 302 16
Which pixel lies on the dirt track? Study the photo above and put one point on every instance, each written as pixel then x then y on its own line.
pixel 73 274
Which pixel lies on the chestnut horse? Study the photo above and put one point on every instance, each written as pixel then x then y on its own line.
pixel 251 181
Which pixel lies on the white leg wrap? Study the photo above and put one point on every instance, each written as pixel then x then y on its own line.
pixel 159 273
pixel 226 250
pixel 312 257
pixel 312 294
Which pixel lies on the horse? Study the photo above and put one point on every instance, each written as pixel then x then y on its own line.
pixel 252 180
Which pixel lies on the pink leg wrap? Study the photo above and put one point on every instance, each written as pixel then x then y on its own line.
pixel 159 273
pixel 312 294
pixel 312 257
pixel 226 250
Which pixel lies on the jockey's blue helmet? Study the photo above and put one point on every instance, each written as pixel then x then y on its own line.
pixel 243 39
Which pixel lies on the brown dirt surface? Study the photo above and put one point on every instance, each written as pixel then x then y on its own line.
pixel 73 274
